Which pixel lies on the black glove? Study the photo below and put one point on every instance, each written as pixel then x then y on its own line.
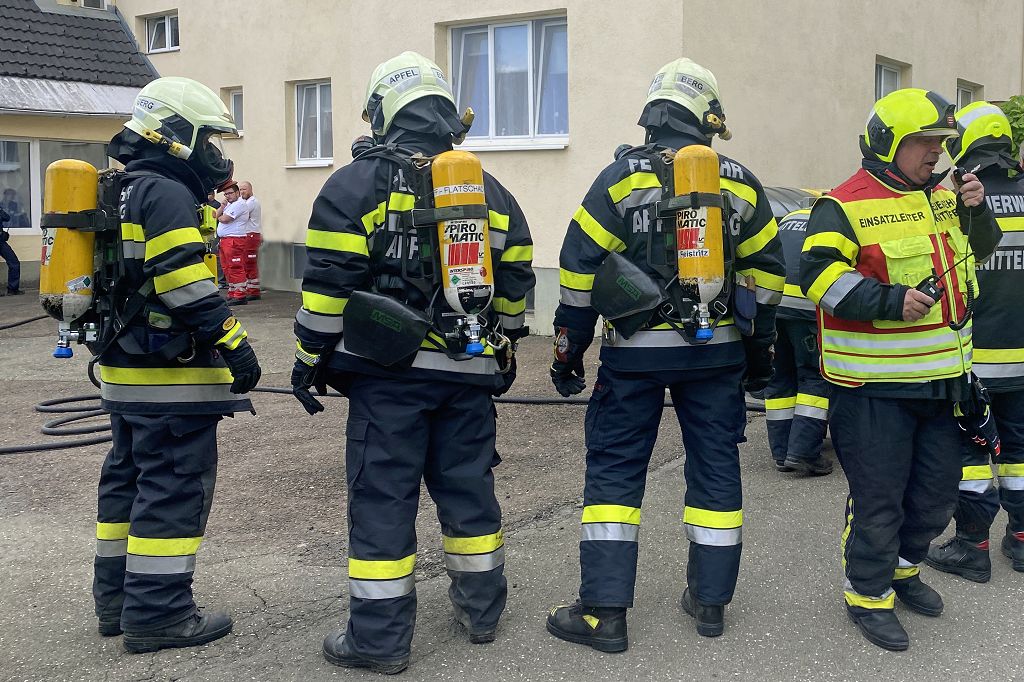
pixel 567 373
pixel 760 369
pixel 974 416
pixel 243 365
pixel 307 373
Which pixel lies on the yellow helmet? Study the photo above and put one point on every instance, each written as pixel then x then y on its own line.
pixel 910 111
pixel 180 114
pixel 693 87
pixel 981 125
pixel 399 81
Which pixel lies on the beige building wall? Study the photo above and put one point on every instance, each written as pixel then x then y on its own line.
pixel 797 81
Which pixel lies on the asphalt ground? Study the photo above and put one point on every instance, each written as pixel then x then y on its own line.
pixel 275 549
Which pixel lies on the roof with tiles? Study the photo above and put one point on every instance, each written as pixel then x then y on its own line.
pixel 69 47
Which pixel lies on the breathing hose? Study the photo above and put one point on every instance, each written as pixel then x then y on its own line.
pixel 12 325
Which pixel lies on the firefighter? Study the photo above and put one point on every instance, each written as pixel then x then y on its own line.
pixel 985 143
pixel 420 393
pixel 181 364
pixel 706 373
pixel 796 399
pixel 889 258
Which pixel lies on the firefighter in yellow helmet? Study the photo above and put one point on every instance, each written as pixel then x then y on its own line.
pixel 994 434
pixel 652 343
pixel 377 323
pixel 889 259
pixel 181 363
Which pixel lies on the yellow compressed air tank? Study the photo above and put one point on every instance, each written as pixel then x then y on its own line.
pixel 67 262
pixel 700 257
pixel 464 243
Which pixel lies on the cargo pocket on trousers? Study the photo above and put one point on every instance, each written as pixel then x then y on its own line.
pixel 195 442
pixel 355 448
pixel 593 438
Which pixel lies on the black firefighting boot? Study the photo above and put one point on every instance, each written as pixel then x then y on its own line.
pixel 881 627
pixel 109 618
pixel 199 628
pixel 917 596
pixel 338 651
pixel 601 628
pixel 710 618
pixel 819 466
pixel 1013 549
pixel 960 556
pixel 476 635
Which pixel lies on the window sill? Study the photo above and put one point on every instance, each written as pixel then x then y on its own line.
pixel 321 163
pixel 169 49
pixel 533 144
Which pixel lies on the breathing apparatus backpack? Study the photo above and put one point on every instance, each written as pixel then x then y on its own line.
pixel 455 275
pixel 81 266
pixel 690 249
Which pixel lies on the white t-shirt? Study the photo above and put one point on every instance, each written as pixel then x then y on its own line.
pixel 238 210
pixel 255 215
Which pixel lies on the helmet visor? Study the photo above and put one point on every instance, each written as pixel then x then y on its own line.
pixel 211 159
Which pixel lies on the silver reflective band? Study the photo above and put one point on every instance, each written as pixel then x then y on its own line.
pixel 976 486
pixel 1012 482
pixel 183 393
pixel 668 338
pixel 717 537
pixel 580 299
pixel 512 321
pixel 767 296
pixel 475 563
pixel 797 303
pixel 188 293
pixel 110 548
pixel 1004 370
pixel 619 532
pixel 325 324
pixel 914 368
pixel 779 414
pixel 638 197
pixel 134 250
pixel 970 117
pixel 1012 239
pixel 740 205
pixel 838 291
pixel 903 563
pixel 497 238
pixel 160 565
pixel 819 413
pixel 381 589
pixel 848 587
pixel 437 360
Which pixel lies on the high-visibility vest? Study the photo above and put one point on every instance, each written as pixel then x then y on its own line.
pixel 902 237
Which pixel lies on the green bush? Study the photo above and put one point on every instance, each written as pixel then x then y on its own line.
pixel 1014 110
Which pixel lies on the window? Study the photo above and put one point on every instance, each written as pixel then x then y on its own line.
pixel 235 105
pixel 515 76
pixel 52 150
pixel 15 183
pixel 966 93
pixel 887 79
pixel 162 33
pixel 94 4
pixel 314 132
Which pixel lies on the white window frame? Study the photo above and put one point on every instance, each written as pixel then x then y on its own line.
pixel 166 18
pixel 318 160
pixel 880 69
pixel 231 106
pixel 532 140
pixel 975 90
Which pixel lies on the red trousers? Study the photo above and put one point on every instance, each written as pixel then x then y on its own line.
pixel 233 260
pixel 252 269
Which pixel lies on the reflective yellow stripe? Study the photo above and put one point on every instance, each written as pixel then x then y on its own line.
pixel 514 254
pixel 765 280
pixel 713 519
pixel 163 546
pixel 499 221
pixel 361 569
pixel 833 240
pixel 507 306
pixel 742 191
pixel 181 277
pixel 826 279
pixel 1009 470
pixel 322 303
pixel 611 513
pixel 998 355
pixel 793 290
pixel 1011 224
pixel 164 376
pixel 863 602
pixel 132 232
pixel 399 202
pixel 623 188
pixel 575 280
pixel 779 403
pixel 904 572
pixel 337 241
pixel 229 342
pixel 810 400
pixel 481 544
pixel 111 531
pixel 758 241
pixel 601 236
pixel 373 218
pixel 169 240
pixel 981 472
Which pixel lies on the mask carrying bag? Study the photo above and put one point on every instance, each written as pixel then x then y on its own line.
pixel 624 294
pixel 382 328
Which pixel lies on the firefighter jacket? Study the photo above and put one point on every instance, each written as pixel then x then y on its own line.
pixel 870 240
pixel 358 213
pixel 998 324
pixel 160 243
pixel 792 230
pixel 616 214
